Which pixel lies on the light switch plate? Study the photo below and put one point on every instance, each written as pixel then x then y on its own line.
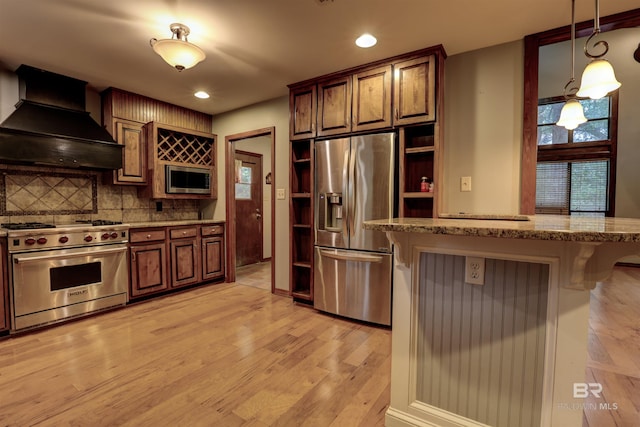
pixel 280 194
pixel 465 183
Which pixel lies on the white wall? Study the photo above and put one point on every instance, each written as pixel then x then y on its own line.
pixel 555 71
pixel 262 145
pixel 266 114
pixel 483 129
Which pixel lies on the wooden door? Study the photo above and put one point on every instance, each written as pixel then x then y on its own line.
pixel 371 99
pixel 302 105
pixel 185 262
pixel 334 106
pixel 134 155
pixel 148 269
pixel 414 91
pixel 248 219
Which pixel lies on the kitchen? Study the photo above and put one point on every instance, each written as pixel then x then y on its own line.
pixel 499 77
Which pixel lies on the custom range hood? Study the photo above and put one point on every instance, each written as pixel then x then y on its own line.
pixel 50 125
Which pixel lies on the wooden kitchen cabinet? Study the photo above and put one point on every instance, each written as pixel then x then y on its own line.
pixel 414 91
pixel 334 106
pixel 302 105
pixel 148 262
pixel 301 220
pixel 213 252
pixel 371 99
pixel 134 160
pixel 185 256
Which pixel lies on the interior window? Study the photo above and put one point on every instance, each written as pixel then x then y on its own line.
pixel 575 171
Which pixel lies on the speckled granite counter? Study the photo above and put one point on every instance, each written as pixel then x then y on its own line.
pixel 540 227
pixel 470 294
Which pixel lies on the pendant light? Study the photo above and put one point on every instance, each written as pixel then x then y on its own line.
pixel 572 114
pixel 598 78
pixel 177 51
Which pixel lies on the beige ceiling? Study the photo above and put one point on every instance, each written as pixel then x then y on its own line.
pixel 255 48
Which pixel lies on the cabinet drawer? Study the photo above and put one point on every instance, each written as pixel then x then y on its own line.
pixel 138 236
pixel 212 230
pixel 180 233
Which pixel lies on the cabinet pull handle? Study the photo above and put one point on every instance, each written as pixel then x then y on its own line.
pixel 133 257
pixel 397 113
pixel 313 127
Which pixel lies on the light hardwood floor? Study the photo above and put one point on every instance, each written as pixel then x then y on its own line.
pixel 233 355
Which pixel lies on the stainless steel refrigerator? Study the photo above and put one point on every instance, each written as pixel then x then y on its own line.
pixel 354 182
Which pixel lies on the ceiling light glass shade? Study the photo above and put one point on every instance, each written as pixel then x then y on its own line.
pixel 366 40
pixel 201 94
pixel 598 79
pixel 178 52
pixel 572 115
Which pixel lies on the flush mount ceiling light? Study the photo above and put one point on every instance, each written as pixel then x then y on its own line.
pixel 201 94
pixel 572 114
pixel 366 40
pixel 598 78
pixel 177 51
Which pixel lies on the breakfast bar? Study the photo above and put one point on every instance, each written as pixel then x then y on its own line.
pixel 490 316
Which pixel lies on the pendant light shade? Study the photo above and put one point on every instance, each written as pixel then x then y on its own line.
pixel 177 51
pixel 598 79
pixel 572 115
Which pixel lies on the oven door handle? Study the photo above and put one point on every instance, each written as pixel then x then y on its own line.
pixel 20 260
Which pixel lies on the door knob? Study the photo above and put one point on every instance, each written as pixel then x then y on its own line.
pixel 258 216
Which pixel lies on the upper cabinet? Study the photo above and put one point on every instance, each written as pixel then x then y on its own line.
pixel 124 114
pixel 394 92
pixel 414 91
pixel 302 105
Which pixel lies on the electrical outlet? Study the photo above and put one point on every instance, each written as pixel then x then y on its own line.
pixel 280 195
pixel 474 270
pixel 465 183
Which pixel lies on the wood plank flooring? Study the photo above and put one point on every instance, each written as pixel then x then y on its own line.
pixel 235 355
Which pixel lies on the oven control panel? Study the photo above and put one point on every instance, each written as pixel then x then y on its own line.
pixel 60 238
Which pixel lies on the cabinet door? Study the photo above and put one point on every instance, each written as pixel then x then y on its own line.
pixel 4 299
pixel 185 262
pixel 213 258
pixel 371 99
pixel 414 91
pixel 302 107
pixel 334 106
pixel 134 155
pixel 148 269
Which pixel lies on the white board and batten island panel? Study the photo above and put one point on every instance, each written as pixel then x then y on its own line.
pixel 490 316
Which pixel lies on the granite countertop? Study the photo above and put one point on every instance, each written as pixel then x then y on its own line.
pixel 539 227
pixel 173 223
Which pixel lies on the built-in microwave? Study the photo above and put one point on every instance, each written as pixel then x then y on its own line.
pixel 187 180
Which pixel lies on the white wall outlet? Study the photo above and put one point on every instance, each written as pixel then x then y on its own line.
pixel 474 270
pixel 465 183
pixel 280 195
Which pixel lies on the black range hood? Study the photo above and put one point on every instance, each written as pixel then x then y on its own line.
pixel 51 127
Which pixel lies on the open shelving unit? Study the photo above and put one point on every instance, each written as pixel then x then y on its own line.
pixel 301 219
pixel 418 154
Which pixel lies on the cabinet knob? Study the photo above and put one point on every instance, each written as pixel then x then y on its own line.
pixel 148 236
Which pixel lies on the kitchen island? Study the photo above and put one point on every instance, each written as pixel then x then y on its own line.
pixel 490 316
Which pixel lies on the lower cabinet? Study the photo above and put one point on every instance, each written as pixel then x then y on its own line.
pixel 172 257
pixel 4 294
pixel 148 261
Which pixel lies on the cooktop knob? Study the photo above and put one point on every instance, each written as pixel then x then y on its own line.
pixel 63 239
pixel 114 235
pixel 105 236
pixel 42 240
pixel 88 238
pixel 29 241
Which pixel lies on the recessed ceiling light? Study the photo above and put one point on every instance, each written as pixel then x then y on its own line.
pixel 201 94
pixel 366 40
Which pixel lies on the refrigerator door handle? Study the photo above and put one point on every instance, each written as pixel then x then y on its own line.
pixel 345 256
pixel 352 193
pixel 346 201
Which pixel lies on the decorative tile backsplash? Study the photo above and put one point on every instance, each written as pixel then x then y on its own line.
pixel 35 193
pixel 62 196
